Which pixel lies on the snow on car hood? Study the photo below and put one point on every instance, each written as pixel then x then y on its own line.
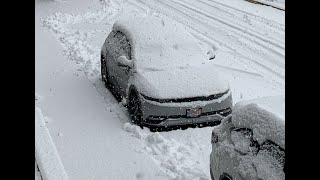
pixel 184 82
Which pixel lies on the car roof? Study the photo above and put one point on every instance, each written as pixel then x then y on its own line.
pixel 159 41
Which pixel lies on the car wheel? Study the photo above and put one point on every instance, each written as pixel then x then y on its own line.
pixel 104 72
pixel 103 67
pixel 135 109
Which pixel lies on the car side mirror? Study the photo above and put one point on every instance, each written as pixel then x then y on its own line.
pixel 122 61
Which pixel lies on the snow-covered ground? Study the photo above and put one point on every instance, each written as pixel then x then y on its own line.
pixel 91 130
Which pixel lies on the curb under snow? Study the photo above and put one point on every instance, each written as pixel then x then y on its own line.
pixel 46 154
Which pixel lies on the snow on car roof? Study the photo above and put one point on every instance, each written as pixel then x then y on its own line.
pixel 159 42
pixel 264 116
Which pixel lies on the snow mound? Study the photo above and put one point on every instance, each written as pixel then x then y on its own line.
pixel 175 159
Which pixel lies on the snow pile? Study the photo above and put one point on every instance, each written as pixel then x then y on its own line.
pixel 264 123
pixel 178 161
pixel 168 59
pixel 46 154
pixel 74 41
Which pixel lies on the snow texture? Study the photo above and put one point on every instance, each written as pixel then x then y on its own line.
pixel 46 154
pixel 264 124
pixel 254 68
pixel 177 161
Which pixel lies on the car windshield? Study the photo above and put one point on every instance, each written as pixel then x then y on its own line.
pixel 156 56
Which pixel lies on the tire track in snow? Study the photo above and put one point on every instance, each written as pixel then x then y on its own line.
pixel 206 16
pixel 262 19
pixel 236 26
pixel 258 23
pixel 203 30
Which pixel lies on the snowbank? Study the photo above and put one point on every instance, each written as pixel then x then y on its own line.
pixel 46 154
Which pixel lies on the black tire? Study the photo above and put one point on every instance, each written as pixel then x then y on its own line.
pixel 103 68
pixel 135 109
pixel 104 73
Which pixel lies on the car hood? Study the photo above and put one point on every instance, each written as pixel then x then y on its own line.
pixel 181 82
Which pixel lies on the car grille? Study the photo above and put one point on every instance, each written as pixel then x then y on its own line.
pixel 180 100
pixel 159 119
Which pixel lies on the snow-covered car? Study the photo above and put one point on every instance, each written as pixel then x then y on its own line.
pixel 162 74
pixel 250 142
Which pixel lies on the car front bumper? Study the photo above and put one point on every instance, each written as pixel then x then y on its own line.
pixel 172 114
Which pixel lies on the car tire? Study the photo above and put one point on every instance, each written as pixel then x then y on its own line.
pixel 104 72
pixel 103 66
pixel 135 109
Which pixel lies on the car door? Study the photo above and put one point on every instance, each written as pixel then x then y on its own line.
pixel 119 46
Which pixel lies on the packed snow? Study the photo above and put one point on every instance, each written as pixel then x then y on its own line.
pixel 91 130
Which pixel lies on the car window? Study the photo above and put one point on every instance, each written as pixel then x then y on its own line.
pixel 243 141
pixel 271 149
pixel 118 45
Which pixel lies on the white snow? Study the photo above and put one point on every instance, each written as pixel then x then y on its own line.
pixel 257 115
pixel 166 84
pixel 177 160
pixel 248 40
pixel 264 123
pixel 46 154
pixel 263 166
pixel 168 59
pixel 159 42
